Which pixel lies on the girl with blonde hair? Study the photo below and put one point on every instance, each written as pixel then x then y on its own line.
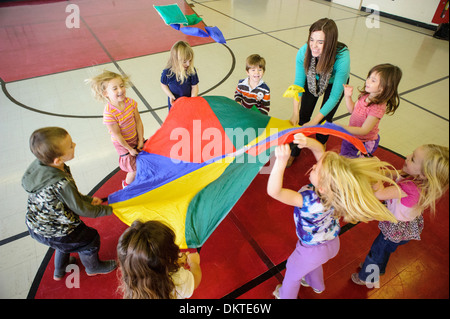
pixel 180 78
pixel 121 117
pixel 422 181
pixel 340 187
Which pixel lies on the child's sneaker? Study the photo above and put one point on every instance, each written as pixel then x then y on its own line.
pixel 305 284
pixel 276 292
pixel 356 280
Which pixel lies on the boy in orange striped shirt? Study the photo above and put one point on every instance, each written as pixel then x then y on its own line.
pixel 122 119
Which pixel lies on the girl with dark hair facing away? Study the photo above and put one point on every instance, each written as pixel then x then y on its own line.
pixel 151 265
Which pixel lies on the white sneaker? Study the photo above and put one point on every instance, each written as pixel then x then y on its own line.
pixel 305 284
pixel 276 292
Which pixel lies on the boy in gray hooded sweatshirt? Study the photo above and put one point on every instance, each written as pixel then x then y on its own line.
pixel 55 205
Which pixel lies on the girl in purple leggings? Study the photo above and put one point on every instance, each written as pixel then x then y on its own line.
pixel 340 187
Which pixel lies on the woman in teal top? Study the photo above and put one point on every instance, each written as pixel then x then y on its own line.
pixel 322 68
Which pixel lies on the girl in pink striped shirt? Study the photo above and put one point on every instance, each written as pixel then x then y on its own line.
pixel 122 119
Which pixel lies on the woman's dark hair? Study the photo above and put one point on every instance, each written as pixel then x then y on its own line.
pixel 330 49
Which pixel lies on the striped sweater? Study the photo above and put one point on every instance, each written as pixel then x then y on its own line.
pixel 124 118
pixel 259 96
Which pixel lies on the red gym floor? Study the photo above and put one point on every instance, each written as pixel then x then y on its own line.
pixel 245 257
pixel 109 31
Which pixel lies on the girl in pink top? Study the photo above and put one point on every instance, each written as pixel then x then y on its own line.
pixel 122 119
pixel 423 180
pixel 378 97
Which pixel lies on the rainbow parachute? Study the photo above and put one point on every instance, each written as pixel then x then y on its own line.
pixel 198 164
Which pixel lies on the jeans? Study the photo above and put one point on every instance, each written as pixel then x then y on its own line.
pixel 378 256
pixel 84 240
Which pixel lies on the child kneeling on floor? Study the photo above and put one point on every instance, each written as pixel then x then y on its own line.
pixel 55 205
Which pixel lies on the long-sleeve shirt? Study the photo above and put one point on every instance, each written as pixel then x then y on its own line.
pixel 54 202
pixel 248 97
pixel 339 76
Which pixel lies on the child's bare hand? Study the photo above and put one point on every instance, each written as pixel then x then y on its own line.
pixel 282 153
pixel 96 201
pixel 348 90
pixel 193 258
pixel 140 146
pixel 378 186
pixel 133 152
pixel 301 140
pixel 294 119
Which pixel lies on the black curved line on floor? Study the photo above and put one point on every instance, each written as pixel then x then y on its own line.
pixel 13 100
pixel 233 65
pixel 274 270
pixel 40 273
pixel 38 277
